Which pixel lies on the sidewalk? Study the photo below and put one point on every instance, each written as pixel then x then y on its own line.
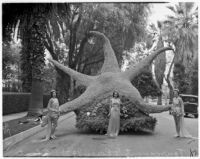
pixel 30 133
pixel 14 116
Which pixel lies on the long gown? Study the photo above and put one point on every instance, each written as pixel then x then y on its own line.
pixel 114 121
pixel 178 109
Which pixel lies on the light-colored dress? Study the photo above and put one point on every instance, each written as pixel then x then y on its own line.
pixel 178 108
pixel 53 115
pixel 114 121
pixel 178 112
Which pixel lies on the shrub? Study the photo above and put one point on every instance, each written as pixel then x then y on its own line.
pixel 18 102
pixel 95 117
pixel 180 78
pixel 146 85
pixel 194 82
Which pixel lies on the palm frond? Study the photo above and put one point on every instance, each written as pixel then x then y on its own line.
pixel 172 18
pixel 194 26
pixel 172 8
pixel 159 24
pixel 168 22
pixel 179 8
pixel 189 6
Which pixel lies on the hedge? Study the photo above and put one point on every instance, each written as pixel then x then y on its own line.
pixel 18 102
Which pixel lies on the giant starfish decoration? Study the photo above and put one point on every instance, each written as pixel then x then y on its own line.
pixel 111 78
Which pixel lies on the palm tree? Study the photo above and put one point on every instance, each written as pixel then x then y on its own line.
pixel 37 35
pixel 32 25
pixel 182 30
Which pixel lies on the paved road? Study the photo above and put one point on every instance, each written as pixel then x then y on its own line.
pixel 72 142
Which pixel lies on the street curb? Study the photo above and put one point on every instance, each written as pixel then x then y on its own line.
pixel 8 142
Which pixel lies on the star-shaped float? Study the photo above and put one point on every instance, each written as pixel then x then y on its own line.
pixel 111 79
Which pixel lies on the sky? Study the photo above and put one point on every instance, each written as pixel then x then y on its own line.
pixel 159 11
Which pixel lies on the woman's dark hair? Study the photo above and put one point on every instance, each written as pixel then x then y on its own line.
pixel 115 92
pixel 52 93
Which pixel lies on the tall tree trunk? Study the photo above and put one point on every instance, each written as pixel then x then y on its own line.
pixel 37 60
pixel 160 64
pixel 71 88
pixel 169 83
pixel 171 94
pixel 26 67
pixel 36 100
pixel 71 57
pixel 159 102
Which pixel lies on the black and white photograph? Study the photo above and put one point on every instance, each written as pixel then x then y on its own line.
pixel 100 79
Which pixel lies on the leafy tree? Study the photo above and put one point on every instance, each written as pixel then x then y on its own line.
pixel 10 58
pixel 194 82
pixel 11 62
pixel 49 79
pixel 69 25
pixel 179 77
pixel 11 48
pixel 194 77
pixel 61 42
pixel 146 85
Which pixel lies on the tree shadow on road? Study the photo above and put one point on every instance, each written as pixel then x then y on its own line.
pixel 138 133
